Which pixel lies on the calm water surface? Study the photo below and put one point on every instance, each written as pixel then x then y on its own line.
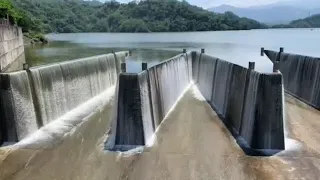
pixel 238 47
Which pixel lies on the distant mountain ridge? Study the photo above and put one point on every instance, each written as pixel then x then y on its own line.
pixel 277 13
pixel 309 22
pixel 72 16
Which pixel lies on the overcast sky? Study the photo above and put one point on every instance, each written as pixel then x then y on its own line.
pixel 238 3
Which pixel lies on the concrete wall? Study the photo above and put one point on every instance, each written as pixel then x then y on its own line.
pixel 129 119
pixel 249 103
pixel 301 75
pixel 38 96
pixel 11 48
pixel 144 100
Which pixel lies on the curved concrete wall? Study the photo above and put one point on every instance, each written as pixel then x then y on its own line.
pixel 301 75
pixel 33 98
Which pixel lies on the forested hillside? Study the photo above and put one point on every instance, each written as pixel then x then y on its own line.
pixel 309 22
pixel 67 16
pixel 30 26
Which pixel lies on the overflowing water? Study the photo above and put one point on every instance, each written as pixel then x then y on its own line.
pixel 33 98
pixel 18 118
pixel 62 87
pixel 144 99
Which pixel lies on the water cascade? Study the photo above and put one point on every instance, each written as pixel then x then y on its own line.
pixel 145 98
pixel 301 75
pixel 18 118
pixel 237 94
pixel 43 94
pixel 159 108
pixel 40 95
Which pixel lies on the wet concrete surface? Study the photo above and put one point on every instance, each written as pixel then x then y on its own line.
pixel 191 143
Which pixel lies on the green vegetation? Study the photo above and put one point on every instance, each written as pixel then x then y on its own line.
pixel 16 16
pixel 69 16
pixel 7 10
pixel 309 22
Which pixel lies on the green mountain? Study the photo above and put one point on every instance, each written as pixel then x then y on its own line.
pixel 68 16
pixel 309 22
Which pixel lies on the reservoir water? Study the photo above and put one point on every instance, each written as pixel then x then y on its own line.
pixel 238 47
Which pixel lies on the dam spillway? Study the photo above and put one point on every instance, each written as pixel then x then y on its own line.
pixel 172 116
pixel 237 94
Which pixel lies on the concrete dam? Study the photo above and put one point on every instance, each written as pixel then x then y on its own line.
pixel 192 116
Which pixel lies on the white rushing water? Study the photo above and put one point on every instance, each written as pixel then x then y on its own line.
pixel 62 87
pixel 19 102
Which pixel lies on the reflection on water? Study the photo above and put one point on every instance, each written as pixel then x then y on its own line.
pixel 239 47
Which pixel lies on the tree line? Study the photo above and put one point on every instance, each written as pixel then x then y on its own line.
pixel 309 22
pixel 21 18
pixel 72 16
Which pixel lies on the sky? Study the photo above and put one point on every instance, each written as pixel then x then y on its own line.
pixel 237 3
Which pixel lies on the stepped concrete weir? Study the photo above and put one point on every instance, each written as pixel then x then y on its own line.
pixel 193 116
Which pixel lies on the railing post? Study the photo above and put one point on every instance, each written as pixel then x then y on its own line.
pixel 144 66
pixel 262 51
pixel 203 51
pixel 281 49
pixel 279 54
pixel 251 65
pixel 123 67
